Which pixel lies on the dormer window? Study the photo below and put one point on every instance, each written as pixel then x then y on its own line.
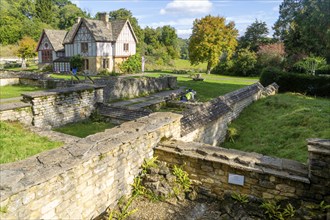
pixel 84 47
pixel 126 46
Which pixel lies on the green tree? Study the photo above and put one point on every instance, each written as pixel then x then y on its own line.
pixel 68 15
pixel 245 62
pixel 211 37
pixel 255 35
pixel 27 47
pixel 304 27
pixel 169 39
pixel 44 11
pixel 183 45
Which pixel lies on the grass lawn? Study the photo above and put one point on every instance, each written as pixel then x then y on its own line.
pixel 185 64
pixel 12 91
pixel 17 143
pixel 212 86
pixel 31 67
pixel 84 128
pixel 279 125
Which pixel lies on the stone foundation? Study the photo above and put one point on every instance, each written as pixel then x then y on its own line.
pixel 80 180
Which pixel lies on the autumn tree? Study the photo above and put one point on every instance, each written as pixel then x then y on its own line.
pixel 26 49
pixel 211 37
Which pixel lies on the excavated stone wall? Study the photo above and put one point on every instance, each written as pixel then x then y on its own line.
pixel 214 170
pixel 208 123
pixel 21 112
pixel 57 107
pixel 81 179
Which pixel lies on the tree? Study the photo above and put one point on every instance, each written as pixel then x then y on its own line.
pixel 304 27
pixel 211 37
pixel 271 55
pixel 26 49
pixel 77 62
pixel 311 64
pixel 255 35
pixel 44 11
pixel 123 13
pixel 245 62
pixel 68 16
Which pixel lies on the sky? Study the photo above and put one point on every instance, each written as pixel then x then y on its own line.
pixel 180 14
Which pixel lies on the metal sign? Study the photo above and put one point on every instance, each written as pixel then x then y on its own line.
pixel 236 179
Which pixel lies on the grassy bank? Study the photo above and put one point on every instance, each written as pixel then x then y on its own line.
pixel 84 128
pixel 17 143
pixel 279 126
pixel 212 86
pixel 12 91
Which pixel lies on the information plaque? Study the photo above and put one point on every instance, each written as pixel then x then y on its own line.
pixel 236 179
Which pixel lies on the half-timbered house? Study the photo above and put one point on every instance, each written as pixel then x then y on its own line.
pixel 101 43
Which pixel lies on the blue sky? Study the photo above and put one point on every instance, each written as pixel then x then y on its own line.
pixel 180 14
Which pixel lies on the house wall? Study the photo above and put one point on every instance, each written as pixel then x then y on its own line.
pixel 43 47
pixel 125 36
pixel 84 36
pixel 68 50
pixel 80 180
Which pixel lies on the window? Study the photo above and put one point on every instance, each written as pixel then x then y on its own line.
pixel 46 56
pixel 126 47
pixel 86 64
pixel 84 47
pixel 105 63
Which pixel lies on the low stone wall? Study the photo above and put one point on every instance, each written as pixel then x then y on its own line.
pixel 125 87
pixel 80 180
pixel 208 123
pixel 214 170
pixel 21 112
pixel 53 108
pixel 9 81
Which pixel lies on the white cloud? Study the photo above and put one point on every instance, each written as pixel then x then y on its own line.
pixel 184 31
pixel 179 22
pixel 187 6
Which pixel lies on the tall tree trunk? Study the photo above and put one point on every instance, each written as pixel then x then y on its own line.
pixel 208 70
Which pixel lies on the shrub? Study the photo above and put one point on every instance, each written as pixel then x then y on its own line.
pixel 311 64
pixel 244 64
pixel 324 70
pixel 131 65
pixel 180 71
pixel 271 55
pixel 223 67
pixel 293 82
pixel 269 75
pixel 77 61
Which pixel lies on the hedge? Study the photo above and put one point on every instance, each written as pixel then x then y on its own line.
pixel 294 82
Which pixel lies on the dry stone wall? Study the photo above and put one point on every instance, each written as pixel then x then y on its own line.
pixel 57 107
pixel 215 170
pixel 21 112
pixel 79 181
pixel 121 87
pixel 208 123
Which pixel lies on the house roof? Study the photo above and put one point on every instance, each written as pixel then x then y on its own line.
pixel 101 31
pixel 55 37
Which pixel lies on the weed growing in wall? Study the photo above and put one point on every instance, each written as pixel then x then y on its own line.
pixel 123 209
pixel 274 211
pixel 182 178
pixel 242 198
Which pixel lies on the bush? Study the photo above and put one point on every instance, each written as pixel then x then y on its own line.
pixel 223 67
pixel 244 63
pixel 131 65
pixel 269 75
pixel 293 82
pixel 77 61
pixel 324 70
pixel 180 71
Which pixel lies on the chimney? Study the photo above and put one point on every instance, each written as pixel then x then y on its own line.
pixel 78 19
pixel 104 17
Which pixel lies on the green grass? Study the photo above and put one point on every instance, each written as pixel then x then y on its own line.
pixel 212 86
pixel 185 64
pixel 12 91
pixel 84 128
pixel 31 67
pixel 17 143
pixel 279 125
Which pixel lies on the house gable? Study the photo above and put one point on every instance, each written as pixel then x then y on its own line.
pixel 44 43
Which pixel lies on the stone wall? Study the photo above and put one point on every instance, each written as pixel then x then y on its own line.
pixel 53 108
pixel 80 180
pixel 125 87
pixel 208 123
pixel 21 112
pixel 9 81
pixel 214 170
